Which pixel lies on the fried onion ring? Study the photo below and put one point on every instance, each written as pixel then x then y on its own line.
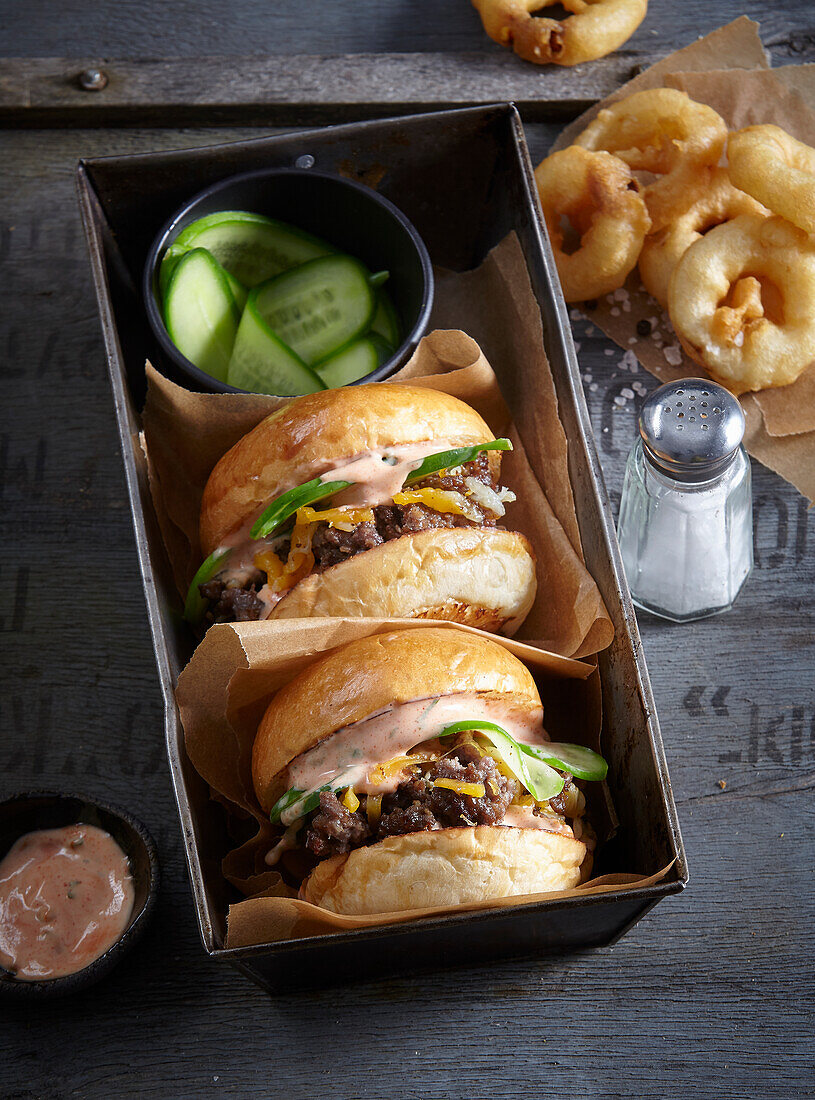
pixel 741 301
pixel 777 170
pixel 600 197
pixel 595 28
pixel 712 201
pixel 663 131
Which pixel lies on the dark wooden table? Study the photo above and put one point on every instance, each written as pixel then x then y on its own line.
pixel 710 996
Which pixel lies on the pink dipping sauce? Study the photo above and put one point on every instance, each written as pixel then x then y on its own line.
pixel 66 896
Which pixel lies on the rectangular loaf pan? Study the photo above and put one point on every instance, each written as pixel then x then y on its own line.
pixel 464 179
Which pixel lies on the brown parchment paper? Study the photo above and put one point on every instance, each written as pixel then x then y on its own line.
pixel 780 422
pixel 186 433
pixel 222 695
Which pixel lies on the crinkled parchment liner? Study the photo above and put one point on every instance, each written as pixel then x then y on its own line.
pixel 186 433
pixel 225 690
pixel 714 70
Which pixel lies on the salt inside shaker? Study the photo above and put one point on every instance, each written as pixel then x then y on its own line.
pixel 686 519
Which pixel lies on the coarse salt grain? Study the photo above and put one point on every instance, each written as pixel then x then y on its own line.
pixel 629 362
pixel 593 388
pixel 620 294
pixel 673 354
pixel 587 378
pixel 627 393
pixel 608 351
pixel 620 401
pixel 633 340
pixel 615 311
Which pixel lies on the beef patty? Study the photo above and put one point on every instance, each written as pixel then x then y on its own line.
pixel 417 806
pixel 233 602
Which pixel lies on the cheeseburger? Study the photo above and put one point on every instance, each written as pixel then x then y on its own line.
pixel 379 500
pixel 411 769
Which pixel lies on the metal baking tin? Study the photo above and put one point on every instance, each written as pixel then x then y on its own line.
pixel 464 179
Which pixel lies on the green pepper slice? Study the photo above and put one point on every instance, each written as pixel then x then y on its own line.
pixel 295 803
pixel 444 460
pixel 576 759
pixel 195 605
pixel 285 506
pixel 540 780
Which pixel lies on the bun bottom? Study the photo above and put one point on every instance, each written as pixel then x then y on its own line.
pixel 446 867
pixel 482 577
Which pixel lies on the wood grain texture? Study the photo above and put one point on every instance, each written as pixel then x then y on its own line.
pixel 711 995
pixel 297 90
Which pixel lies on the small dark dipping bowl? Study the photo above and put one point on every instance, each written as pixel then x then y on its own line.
pixel 25 813
pixel 351 217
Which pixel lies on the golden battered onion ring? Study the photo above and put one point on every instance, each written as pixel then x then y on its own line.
pixel 712 201
pixel 601 198
pixel 741 301
pixel 596 28
pixel 777 170
pixel 663 131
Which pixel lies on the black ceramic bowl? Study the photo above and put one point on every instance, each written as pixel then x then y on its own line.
pixel 24 813
pixel 353 218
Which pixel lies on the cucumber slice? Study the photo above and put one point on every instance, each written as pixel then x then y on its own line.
pixel 200 313
pixel 262 363
pixel 251 247
pixel 386 319
pixel 354 361
pixel 319 307
pixel 239 292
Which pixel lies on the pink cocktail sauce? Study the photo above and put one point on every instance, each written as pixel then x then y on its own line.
pixel 66 896
pixel 358 748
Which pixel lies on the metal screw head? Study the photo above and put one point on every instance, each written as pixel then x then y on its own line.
pixel 93 80
pixel 691 428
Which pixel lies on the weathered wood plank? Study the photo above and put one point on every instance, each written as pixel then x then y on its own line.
pixel 292 90
pixel 710 995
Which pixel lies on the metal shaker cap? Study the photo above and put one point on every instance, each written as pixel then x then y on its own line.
pixel 691 428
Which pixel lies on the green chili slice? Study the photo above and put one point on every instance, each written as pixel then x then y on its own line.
pixel 579 761
pixel 285 506
pixel 540 780
pixel 444 460
pixel 295 803
pixel 195 605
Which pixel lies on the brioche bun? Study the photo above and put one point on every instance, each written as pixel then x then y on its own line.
pixel 312 433
pixel 479 576
pixel 443 868
pixel 371 674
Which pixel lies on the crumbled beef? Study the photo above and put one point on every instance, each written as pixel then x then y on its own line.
pixel 334 829
pixel 415 806
pixel 418 806
pixel 391 521
pixel 558 803
pixel 231 604
pixel 331 546
pixel 479 468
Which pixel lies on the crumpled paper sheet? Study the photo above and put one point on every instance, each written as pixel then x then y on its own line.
pixel 781 421
pixel 186 433
pixel 222 695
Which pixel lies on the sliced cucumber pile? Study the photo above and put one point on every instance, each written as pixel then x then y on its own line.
pixel 268 308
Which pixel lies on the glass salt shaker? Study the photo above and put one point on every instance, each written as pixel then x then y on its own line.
pixel 686 518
